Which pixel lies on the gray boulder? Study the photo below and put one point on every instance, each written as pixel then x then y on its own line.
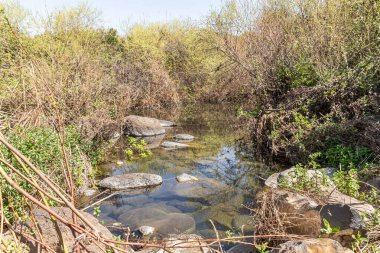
pixel 312 246
pixel 142 126
pixel 130 181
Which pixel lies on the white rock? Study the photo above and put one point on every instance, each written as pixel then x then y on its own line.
pixel 186 178
pixel 146 230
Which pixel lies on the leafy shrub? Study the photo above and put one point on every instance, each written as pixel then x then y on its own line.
pixel 341 156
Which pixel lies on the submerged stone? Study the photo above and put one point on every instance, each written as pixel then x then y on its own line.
pixel 173 145
pixel 186 178
pixel 186 137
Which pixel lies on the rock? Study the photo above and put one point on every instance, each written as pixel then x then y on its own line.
pixel 51 236
pixel 312 246
pixel 243 223
pixel 89 192
pixel 174 223
pixel 301 212
pixel 186 178
pixel 296 200
pixel 336 197
pixel 119 163
pixel 241 248
pixel 346 218
pixel 166 123
pixel 163 220
pixel 185 240
pixel 186 137
pixel 173 145
pixel 142 126
pixel 146 230
pixel 130 181
pixel 375 182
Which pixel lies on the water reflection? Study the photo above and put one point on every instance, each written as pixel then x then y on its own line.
pixel 227 180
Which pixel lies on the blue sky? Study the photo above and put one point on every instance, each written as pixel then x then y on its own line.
pixel 118 13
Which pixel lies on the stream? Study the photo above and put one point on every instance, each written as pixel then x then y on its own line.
pixel 227 179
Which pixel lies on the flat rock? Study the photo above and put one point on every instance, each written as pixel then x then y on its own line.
pixel 167 123
pixel 142 126
pixel 336 197
pixel 130 181
pixel 312 246
pixel 186 178
pixel 173 145
pixel 186 137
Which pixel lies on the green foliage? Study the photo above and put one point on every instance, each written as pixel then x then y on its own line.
pixel 328 229
pixel 42 147
pixel 347 181
pixel 137 148
pixel 348 156
pixel 263 248
pixel 358 242
pixel 301 74
pixel 96 211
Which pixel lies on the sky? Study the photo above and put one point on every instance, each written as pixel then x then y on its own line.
pixel 119 13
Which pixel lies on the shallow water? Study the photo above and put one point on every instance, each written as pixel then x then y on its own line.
pixel 227 179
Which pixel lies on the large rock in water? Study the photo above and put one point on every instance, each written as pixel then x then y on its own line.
pixel 130 181
pixel 142 126
pixel 312 246
pixel 50 235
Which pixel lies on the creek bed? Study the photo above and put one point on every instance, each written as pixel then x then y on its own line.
pixel 227 179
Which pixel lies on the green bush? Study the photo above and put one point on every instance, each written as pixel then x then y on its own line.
pixel 348 156
pixel 42 147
